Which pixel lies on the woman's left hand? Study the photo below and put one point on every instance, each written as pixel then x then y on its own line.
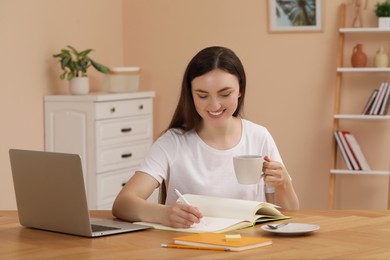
pixel 276 174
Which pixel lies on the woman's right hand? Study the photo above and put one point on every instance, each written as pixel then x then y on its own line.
pixel 181 215
pixel 132 205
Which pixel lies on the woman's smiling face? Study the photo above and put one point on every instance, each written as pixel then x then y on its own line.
pixel 215 96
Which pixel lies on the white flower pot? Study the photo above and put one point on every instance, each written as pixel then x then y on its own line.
pixel 79 86
pixel 384 22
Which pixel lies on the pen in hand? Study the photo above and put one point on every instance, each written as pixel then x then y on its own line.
pixel 181 197
pixel 184 200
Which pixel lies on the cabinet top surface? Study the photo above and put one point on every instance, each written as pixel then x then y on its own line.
pixel 365 30
pixel 100 96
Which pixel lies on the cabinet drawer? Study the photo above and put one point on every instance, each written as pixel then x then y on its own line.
pixel 123 130
pixel 121 156
pixel 110 184
pixel 115 109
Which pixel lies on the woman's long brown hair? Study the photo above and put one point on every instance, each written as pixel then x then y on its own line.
pixel 208 59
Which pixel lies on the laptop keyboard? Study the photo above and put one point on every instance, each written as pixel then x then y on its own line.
pixel 99 228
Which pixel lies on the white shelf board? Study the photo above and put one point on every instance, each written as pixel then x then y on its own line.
pixel 362 117
pixel 365 30
pixel 363 69
pixel 338 171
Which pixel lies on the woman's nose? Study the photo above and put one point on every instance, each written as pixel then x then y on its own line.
pixel 214 104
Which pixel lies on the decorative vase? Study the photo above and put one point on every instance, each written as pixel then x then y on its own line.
pixel 381 59
pixel 359 58
pixel 384 22
pixel 79 86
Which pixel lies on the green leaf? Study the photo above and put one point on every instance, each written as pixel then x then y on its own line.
pixel 382 9
pixel 64 62
pixel 100 67
pixel 71 75
pixel 63 75
pixel 74 51
pixel 75 63
pixel 85 53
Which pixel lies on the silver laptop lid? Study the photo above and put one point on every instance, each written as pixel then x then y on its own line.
pixel 50 192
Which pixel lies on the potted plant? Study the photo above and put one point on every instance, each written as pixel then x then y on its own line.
pixel 75 65
pixel 382 11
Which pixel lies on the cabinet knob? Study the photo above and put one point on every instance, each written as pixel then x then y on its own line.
pixel 126 130
pixel 127 155
pixel 113 110
pixel 141 107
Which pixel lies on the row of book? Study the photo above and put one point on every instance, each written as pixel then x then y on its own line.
pixel 351 152
pixel 379 101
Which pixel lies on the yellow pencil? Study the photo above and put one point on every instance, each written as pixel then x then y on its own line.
pixel 194 247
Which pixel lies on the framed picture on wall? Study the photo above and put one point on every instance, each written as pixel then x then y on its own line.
pixel 295 15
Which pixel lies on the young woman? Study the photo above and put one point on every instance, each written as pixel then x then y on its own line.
pixel 195 154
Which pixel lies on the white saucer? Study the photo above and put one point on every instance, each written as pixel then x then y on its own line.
pixel 292 229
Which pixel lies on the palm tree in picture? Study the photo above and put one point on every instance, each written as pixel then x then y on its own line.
pixel 297 12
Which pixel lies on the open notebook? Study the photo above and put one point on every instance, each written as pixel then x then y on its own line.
pixel 224 214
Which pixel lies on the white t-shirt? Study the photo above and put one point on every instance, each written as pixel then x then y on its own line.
pixel 188 164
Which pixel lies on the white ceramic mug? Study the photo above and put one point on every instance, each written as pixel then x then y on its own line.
pixel 248 168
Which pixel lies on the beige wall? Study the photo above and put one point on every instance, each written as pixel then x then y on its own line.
pixel 290 88
pixel 291 76
pixel 31 31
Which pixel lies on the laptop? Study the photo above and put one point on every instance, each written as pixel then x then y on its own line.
pixel 50 195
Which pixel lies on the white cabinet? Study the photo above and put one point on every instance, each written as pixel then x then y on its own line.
pixel 111 132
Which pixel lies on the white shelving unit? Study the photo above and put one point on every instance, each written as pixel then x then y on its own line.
pixel 359 70
pixel 362 117
pixel 364 30
pixel 359 172
pixel 338 100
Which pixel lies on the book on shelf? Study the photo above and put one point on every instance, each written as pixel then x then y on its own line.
pixel 370 102
pixel 381 96
pixel 376 100
pixel 217 240
pixel 225 214
pixel 386 101
pixel 376 106
pixel 342 149
pixel 350 151
pixel 357 151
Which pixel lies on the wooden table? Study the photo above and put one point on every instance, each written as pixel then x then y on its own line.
pixel 344 234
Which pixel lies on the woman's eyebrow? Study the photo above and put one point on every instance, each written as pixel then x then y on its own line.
pixel 204 91
pixel 224 89
pixel 200 90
